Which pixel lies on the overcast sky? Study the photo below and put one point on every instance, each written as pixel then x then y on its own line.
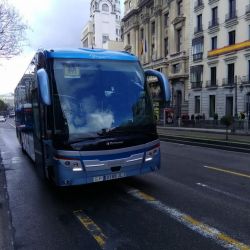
pixel 53 24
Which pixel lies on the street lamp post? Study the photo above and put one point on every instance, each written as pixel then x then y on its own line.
pixel 235 104
pixel 236 97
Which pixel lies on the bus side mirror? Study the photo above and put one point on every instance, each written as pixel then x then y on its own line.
pixel 163 82
pixel 43 85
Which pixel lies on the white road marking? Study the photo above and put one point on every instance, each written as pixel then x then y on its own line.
pixel 199 227
pixel 223 192
pixel 11 125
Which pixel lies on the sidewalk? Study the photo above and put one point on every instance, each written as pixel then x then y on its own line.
pixel 214 134
pixel 6 238
pixel 215 138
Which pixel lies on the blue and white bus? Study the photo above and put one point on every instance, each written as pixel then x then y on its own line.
pixel 86 115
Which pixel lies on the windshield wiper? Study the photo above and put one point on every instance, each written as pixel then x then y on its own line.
pixel 109 131
pixel 81 139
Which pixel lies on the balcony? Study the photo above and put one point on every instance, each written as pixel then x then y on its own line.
pixel 230 16
pixel 198 29
pixel 196 85
pixel 245 79
pixel 199 5
pixel 213 23
pixel 229 82
pixel 212 1
pixel 231 19
pixel 197 57
pixel 212 84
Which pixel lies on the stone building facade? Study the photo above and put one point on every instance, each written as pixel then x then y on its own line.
pixel 219 58
pixel 157 31
pixel 104 24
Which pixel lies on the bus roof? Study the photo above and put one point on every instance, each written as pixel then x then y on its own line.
pixel 87 53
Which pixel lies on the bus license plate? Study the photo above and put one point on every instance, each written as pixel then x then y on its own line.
pixel 114 176
pixel 109 177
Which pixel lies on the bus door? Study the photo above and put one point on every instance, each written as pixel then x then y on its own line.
pixel 38 134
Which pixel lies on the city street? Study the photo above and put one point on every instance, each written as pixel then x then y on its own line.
pixel 200 199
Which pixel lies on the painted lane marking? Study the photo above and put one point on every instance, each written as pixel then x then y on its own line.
pixel 199 227
pixel 223 192
pixel 12 125
pixel 227 171
pixel 94 229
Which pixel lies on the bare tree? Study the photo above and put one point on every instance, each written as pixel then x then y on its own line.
pixel 12 31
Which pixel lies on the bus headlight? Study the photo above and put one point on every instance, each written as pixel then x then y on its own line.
pixel 73 164
pixel 150 154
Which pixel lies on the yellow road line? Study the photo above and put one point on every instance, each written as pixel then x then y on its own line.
pixel 94 229
pixel 199 227
pixel 220 236
pixel 227 171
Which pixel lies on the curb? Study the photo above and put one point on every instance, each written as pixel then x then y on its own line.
pixel 229 146
pixel 203 130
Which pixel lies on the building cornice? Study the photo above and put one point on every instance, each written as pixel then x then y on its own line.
pixel 179 19
pixel 157 10
pixel 130 14
pixel 142 3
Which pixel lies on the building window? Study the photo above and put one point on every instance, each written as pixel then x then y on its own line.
pixel 165 46
pixel 142 34
pixel 229 106
pixel 230 73
pixel 197 104
pixel 176 68
pixel 128 38
pixel 152 49
pixel 248 105
pixel 214 42
pixel 215 16
pixel 248 77
pixel 166 20
pixel 178 40
pixel 179 8
pixel 197 48
pixel 129 4
pixel 232 9
pixel 153 28
pixel 213 76
pixel 199 23
pixel 105 38
pixel 211 105
pixel 196 76
pixel 231 37
pixel 105 7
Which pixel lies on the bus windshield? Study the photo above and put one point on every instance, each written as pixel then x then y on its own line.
pixel 92 97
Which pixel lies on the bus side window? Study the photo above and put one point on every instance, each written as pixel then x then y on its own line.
pixel 36 118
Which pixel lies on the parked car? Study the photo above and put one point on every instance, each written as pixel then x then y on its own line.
pixel 2 118
pixel 12 115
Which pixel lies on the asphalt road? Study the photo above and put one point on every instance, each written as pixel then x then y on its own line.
pixel 200 199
